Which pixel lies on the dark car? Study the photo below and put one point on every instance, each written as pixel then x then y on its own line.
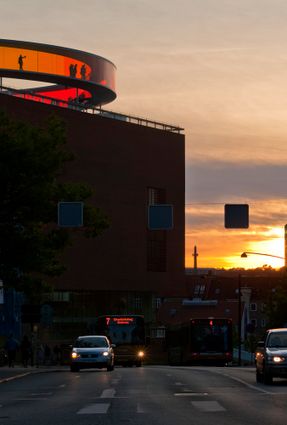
pixel 271 356
pixel 92 351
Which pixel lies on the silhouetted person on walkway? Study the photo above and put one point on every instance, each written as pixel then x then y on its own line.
pixel 83 72
pixel 20 62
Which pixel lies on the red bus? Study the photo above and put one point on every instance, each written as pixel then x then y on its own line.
pixel 200 341
pixel 127 332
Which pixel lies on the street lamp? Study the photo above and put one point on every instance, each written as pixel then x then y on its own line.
pixel 244 254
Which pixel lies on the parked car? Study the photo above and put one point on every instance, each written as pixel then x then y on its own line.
pixel 271 356
pixel 92 351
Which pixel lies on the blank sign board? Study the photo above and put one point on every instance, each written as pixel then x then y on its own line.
pixel 160 217
pixel 236 216
pixel 70 214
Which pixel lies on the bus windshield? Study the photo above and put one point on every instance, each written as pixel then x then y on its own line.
pixel 122 330
pixel 208 338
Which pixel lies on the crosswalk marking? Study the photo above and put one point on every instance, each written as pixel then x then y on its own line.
pixel 109 393
pixel 96 408
pixel 140 408
pixel 208 406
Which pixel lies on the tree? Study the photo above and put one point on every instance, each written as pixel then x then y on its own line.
pixel 32 160
pixel 276 306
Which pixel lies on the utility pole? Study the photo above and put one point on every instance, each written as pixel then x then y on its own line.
pixel 285 245
pixel 239 319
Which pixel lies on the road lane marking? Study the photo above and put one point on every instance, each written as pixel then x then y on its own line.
pixel 140 408
pixel 253 387
pixel 30 399
pixel 208 406
pixel 96 408
pixel 109 393
pixel 39 394
pixel 178 383
pixel 190 394
pixel 62 386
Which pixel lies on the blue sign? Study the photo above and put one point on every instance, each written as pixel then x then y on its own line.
pixel 236 216
pixel 160 217
pixel 70 214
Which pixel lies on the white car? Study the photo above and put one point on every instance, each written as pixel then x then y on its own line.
pixel 92 351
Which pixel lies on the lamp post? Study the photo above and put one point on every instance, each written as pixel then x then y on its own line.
pixel 239 319
pixel 244 255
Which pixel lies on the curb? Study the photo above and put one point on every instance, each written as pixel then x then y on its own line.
pixel 11 378
pixel 30 372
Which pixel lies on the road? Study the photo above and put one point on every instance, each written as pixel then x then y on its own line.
pixel 151 395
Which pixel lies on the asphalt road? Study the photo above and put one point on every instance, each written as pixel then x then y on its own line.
pixel 151 395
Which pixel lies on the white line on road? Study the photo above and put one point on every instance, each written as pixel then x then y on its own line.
pixel 39 394
pixel 97 408
pixel 62 386
pixel 30 399
pixel 190 394
pixel 140 408
pixel 253 387
pixel 109 393
pixel 178 383
pixel 208 406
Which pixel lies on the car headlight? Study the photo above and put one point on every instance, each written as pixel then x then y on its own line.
pixel 140 354
pixel 75 355
pixel 105 353
pixel 277 359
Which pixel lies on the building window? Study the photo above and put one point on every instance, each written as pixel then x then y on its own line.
pixel 156 239
pixel 156 251
pixel 263 307
pixel 156 195
pixel 263 323
pixel 158 332
pixel 156 303
pixel 138 303
pixel 172 312
pixel 253 307
pixel 199 291
pixel 254 322
pixel 60 297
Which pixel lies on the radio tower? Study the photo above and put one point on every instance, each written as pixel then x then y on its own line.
pixel 195 255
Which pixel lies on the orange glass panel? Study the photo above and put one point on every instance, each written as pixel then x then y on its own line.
pixel 49 63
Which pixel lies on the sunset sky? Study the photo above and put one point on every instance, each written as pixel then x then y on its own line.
pixel 218 68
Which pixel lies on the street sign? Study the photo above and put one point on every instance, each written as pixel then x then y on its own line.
pixel 236 216
pixel 70 214
pixel 160 217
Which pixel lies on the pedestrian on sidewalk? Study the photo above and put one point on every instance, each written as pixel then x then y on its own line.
pixel 25 350
pixel 11 347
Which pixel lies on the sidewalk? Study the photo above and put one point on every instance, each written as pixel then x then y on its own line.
pixel 9 373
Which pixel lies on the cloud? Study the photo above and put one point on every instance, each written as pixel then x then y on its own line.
pixel 215 181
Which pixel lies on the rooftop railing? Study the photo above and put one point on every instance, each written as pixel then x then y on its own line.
pixel 90 109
